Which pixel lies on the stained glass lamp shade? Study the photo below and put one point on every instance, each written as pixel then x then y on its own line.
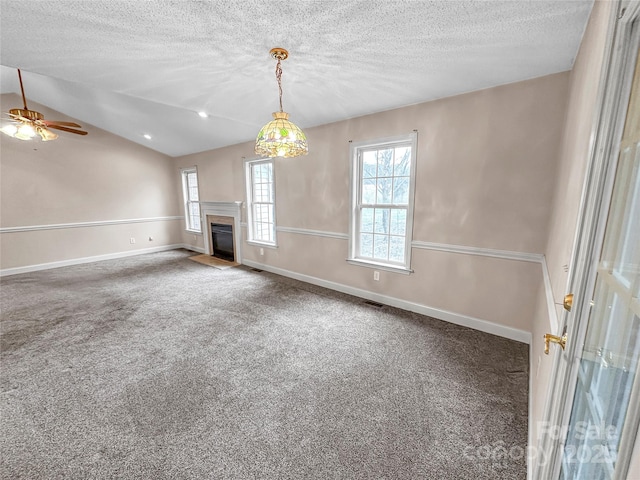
pixel 281 138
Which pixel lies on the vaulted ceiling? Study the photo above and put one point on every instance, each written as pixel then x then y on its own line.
pixel 136 67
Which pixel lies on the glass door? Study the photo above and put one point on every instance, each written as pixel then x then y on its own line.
pixel 603 420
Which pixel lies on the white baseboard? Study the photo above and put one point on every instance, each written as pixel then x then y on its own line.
pixel 451 317
pixel 97 258
pixel 529 458
pixel 447 316
pixel 193 248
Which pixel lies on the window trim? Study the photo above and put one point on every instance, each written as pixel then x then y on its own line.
pixel 184 172
pixel 249 192
pixel 355 149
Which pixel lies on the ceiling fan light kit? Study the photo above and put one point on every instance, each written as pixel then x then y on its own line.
pixel 31 123
pixel 280 137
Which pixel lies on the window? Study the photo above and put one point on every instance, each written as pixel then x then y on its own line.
pixel 261 201
pixel 383 174
pixel 191 205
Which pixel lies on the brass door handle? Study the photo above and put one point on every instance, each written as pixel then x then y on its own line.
pixel 568 302
pixel 548 338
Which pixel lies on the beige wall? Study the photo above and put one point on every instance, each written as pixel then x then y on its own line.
pixel 573 160
pixel 486 164
pixel 75 179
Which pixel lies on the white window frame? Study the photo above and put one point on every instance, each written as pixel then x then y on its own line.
pixel 188 201
pixel 251 236
pixel 356 150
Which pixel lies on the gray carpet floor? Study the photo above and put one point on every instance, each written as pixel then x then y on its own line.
pixel 158 367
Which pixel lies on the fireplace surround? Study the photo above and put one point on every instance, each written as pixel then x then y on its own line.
pixel 228 213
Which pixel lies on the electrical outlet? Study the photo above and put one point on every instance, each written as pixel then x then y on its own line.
pixel 132 240
pixel 261 251
pixel 376 276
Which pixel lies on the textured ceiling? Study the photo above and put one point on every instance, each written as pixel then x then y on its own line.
pixel 148 66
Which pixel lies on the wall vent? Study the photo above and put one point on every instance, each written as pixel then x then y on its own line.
pixel 373 304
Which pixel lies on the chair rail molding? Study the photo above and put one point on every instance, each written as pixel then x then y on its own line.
pixel 315 233
pixel 99 223
pixel 481 251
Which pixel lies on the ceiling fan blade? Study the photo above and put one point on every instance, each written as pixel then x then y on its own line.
pixel 66 129
pixel 46 134
pixel 50 123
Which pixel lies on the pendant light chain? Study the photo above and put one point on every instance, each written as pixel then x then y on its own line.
pixel 279 78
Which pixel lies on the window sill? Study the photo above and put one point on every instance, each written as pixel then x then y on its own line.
pixel 380 266
pixel 195 232
pixel 262 244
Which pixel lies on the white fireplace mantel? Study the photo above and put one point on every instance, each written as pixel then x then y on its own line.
pixel 223 209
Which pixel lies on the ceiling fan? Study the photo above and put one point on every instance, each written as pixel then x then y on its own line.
pixel 31 123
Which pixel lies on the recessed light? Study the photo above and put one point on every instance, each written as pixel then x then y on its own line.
pixel 147 136
pixel 203 114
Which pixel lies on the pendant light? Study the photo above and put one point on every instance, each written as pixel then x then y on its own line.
pixel 280 137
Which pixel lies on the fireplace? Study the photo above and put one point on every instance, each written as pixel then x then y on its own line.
pixel 222 241
pixel 227 213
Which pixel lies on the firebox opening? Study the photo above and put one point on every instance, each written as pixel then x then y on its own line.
pixel 222 237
